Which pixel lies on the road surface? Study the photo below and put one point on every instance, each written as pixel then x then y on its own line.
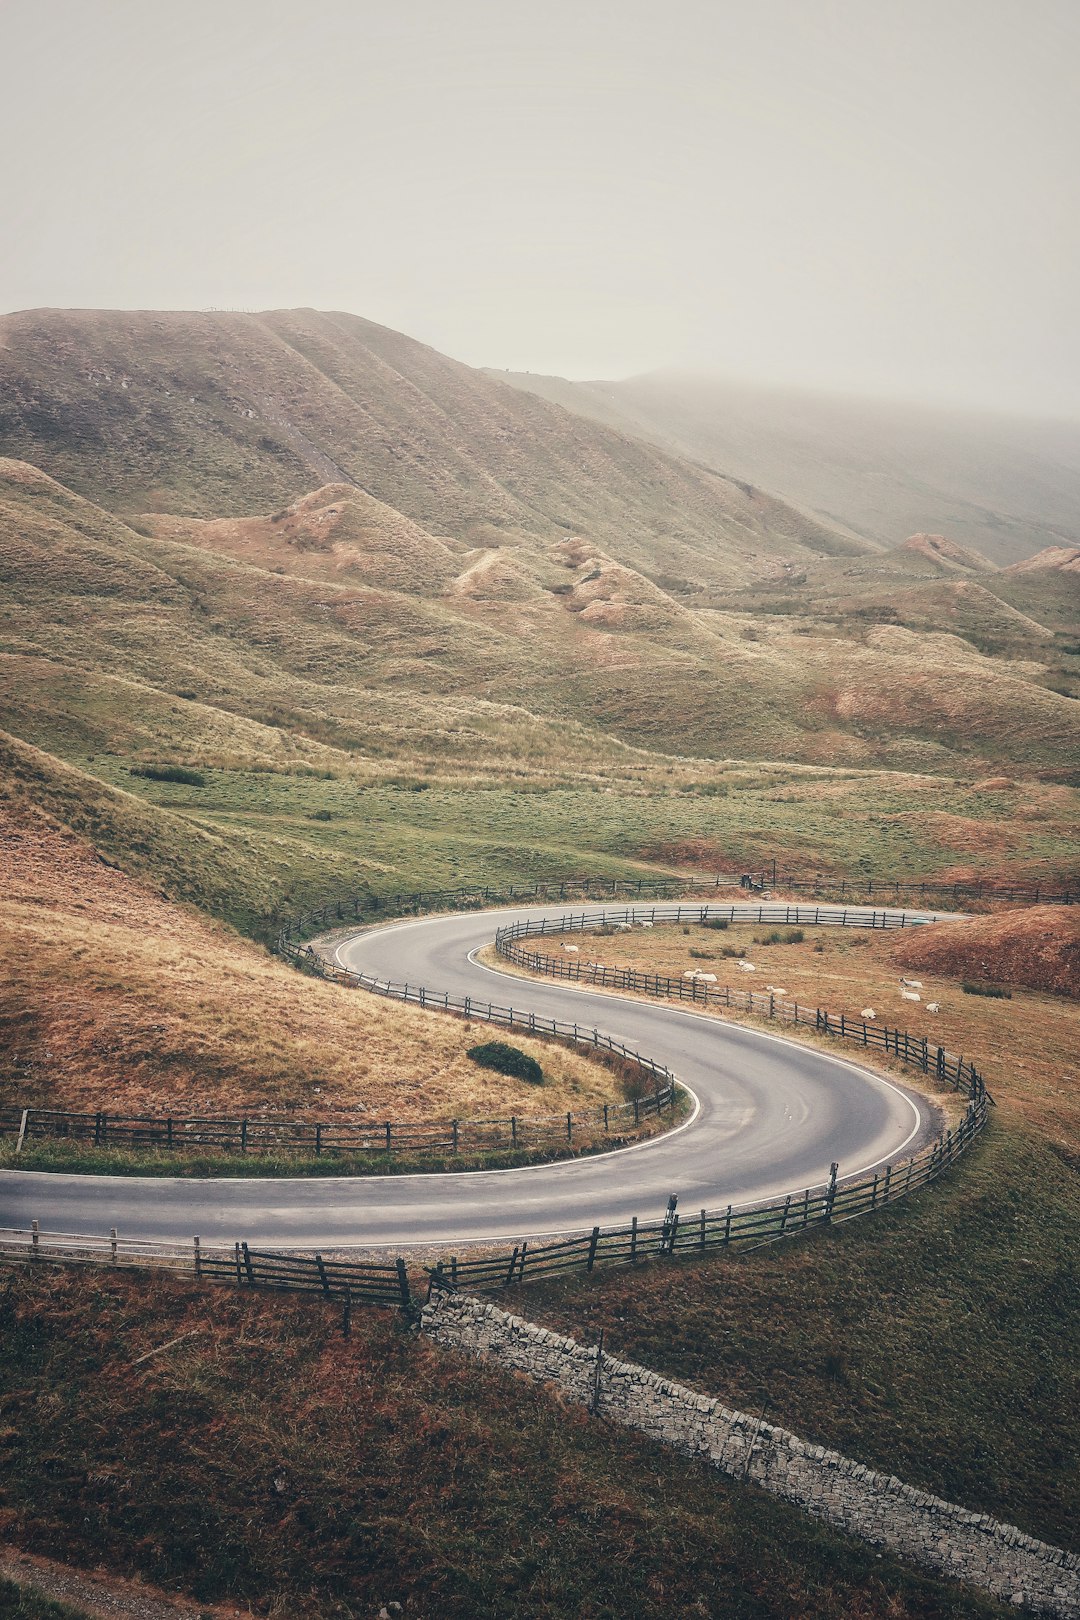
pixel 769 1118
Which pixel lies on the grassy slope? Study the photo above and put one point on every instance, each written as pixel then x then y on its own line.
pixel 23 1603
pixel 933 1341
pixel 344 1476
pixel 521 664
pixel 116 998
pixel 215 414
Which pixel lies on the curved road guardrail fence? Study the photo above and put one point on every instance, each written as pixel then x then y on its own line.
pixel 913 1049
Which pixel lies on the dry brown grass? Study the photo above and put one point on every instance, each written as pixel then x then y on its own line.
pixel 1027 1048
pixel 114 998
pixel 1037 948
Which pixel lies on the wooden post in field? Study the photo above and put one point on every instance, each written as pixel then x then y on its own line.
pixel 403 1283
pixel 593 1241
pixel 35 1239
pixel 830 1191
pixel 112 1244
pixel 346 1314
pixel 198 1259
pixel 633 1239
pixel 22 1131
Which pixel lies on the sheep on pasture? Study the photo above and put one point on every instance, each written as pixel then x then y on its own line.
pixel 868 1014
pixel 910 995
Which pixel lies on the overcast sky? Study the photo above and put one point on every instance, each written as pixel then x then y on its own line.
pixel 872 195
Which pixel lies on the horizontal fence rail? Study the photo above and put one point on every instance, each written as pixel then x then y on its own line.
pixel 360 1283
pixel 916 1050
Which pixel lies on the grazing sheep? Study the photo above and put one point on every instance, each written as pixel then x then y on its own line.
pixel 910 995
pixel 933 1006
pixel 646 925
pixel 912 984
pixel 691 973
pixel 574 948
pixel 746 967
pixel 776 989
pixel 868 1014
pixel 707 978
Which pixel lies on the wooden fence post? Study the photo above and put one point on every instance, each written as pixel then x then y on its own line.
pixel 22 1130
pixel 830 1192
pixel 323 1278
pixel 346 1314
pixel 198 1259
pixel 35 1239
pixel 593 1241
pixel 112 1244
pixel 403 1283
pixel 633 1238
pixel 248 1267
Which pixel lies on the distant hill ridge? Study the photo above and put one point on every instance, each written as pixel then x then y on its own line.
pixel 871 468
pixel 213 414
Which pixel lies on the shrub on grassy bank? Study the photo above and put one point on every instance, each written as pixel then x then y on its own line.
pixel 507 1059
pixel 170 773
pixel 993 990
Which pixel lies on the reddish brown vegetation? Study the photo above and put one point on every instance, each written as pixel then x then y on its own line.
pixel 1038 948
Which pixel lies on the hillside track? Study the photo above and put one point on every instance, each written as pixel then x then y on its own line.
pixel 770 1115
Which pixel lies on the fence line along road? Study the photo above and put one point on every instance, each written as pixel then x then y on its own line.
pixel 678 1233
pixel 473 896
pixel 659 1087
pixel 934 1061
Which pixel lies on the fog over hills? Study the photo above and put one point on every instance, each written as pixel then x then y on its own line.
pixel 1008 486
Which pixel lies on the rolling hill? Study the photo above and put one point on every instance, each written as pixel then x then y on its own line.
pixel 221 415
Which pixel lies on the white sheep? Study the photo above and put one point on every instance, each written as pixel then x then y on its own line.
pixel 776 989
pixel 933 1006
pixel 691 973
pixel 746 967
pixel 574 948
pixel 912 984
pixel 910 995
pixel 868 1014
pixel 707 978
pixel 646 925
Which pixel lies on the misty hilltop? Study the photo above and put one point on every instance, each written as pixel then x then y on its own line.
pixel 873 469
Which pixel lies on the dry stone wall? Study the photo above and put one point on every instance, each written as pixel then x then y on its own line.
pixel 878 1508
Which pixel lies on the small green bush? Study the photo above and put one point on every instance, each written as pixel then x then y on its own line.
pixel 719 923
pixel 994 990
pixel 170 773
pixel 781 936
pixel 507 1059
pixel 321 815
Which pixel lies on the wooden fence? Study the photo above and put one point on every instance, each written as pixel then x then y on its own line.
pixel 915 892
pixel 362 1283
pixel 315 1138
pixel 696 1232
pixel 916 1050
pixel 678 1233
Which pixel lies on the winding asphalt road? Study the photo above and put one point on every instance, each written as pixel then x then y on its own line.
pixel 770 1117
